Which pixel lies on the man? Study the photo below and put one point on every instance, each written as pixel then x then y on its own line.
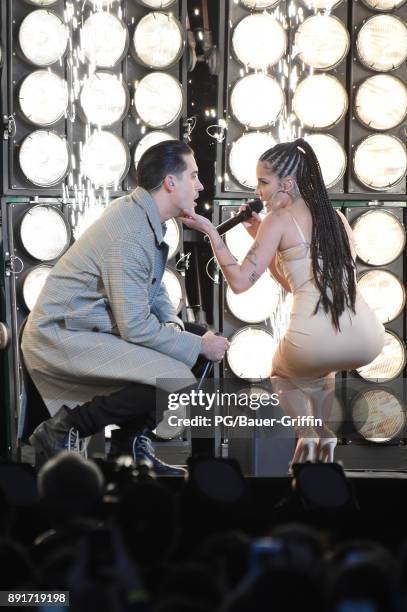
pixel 103 332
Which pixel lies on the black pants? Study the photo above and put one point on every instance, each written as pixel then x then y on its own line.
pixel 132 408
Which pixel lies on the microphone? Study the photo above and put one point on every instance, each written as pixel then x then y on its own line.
pixel 252 206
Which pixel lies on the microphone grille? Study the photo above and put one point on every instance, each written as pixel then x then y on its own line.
pixel 255 205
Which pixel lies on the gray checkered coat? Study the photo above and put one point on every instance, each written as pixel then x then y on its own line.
pixel 97 323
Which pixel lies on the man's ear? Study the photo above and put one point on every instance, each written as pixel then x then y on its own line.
pixel 169 183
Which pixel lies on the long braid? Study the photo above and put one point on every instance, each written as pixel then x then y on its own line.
pixel 332 261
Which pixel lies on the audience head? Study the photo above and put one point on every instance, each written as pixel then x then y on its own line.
pixel 70 485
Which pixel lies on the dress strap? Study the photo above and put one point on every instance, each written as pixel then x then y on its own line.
pixel 298 228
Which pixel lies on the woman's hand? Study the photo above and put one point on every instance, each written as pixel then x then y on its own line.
pixel 196 222
pixel 251 224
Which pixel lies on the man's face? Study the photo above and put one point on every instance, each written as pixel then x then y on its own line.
pixel 187 185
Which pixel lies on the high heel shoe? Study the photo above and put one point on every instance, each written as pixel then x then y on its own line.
pixel 306 450
pixel 326 449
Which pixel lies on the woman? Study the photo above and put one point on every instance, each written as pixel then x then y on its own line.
pixel 308 247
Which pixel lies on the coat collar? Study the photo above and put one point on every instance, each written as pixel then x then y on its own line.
pixel 144 199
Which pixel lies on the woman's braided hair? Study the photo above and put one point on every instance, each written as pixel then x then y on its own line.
pixel 332 261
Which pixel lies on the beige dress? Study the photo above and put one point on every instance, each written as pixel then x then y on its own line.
pixel 311 347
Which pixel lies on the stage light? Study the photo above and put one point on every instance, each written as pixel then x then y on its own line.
pixel 384 5
pixel 384 293
pixel 322 41
pixel 42 2
pixel 380 161
pixel 43 37
pixel 320 101
pixel 44 232
pixel 104 39
pixel 382 43
pixel 33 283
pixel 257 100
pixel 149 140
pixel 105 159
pixel 158 41
pixel 251 352
pixel 259 5
pixel 172 282
pixel 172 237
pixel 244 155
pixel 381 102
pixel 321 5
pixel 44 158
pixel 331 157
pixel 158 99
pixel 239 241
pixel 156 4
pixel 259 41
pixel 43 97
pixel 378 415
pixel 379 237
pixel 258 303
pixel 104 99
pixel 389 364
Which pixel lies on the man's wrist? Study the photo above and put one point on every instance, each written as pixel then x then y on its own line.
pixel 173 324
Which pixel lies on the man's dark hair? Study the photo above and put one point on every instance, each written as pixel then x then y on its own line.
pixel 158 161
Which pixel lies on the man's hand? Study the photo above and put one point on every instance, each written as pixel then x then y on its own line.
pixel 214 347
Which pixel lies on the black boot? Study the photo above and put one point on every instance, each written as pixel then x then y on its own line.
pixel 55 435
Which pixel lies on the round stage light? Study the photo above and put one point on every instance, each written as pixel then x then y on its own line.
pixel 43 37
pixel 158 99
pixel 251 353
pixel 104 39
pixel 173 284
pixel 44 232
pixel 172 237
pixel 258 303
pixel 238 241
pixel 259 41
pixel 320 101
pixel 158 41
pixel 322 42
pixel 156 4
pixel 384 5
pixel 257 100
pixel 379 237
pixel 149 140
pixel 43 97
pixel 321 5
pixel 42 2
pixel 378 415
pixel 105 159
pixel 389 364
pixel 104 99
pixel 44 158
pixel 380 161
pixel 384 293
pixel 33 283
pixel 259 5
pixel 244 155
pixel 331 157
pixel 381 102
pixel 382 43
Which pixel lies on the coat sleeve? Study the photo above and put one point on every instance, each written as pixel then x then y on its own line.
pixel 163 308
pixel 126 277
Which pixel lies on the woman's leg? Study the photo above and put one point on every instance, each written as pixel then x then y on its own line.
pixel 296 403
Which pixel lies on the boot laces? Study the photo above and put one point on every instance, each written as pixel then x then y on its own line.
pixel 76 445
